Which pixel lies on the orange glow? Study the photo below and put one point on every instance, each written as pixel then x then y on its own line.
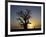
pixel 34 24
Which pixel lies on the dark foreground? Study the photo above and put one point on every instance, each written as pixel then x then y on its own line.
pixel 12 30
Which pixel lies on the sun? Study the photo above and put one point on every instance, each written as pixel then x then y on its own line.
pixel 34 24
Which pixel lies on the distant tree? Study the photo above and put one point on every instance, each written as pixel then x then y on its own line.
pixel 24 17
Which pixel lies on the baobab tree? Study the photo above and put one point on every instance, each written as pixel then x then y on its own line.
pixel 24 16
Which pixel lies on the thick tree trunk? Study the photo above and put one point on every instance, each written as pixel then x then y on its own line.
pixel 25 26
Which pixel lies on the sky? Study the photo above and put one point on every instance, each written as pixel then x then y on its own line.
pixel 36 15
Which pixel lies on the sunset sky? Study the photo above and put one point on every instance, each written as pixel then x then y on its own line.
pixel 35 20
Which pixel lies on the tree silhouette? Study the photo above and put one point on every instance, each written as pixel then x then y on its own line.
pixel 24 16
